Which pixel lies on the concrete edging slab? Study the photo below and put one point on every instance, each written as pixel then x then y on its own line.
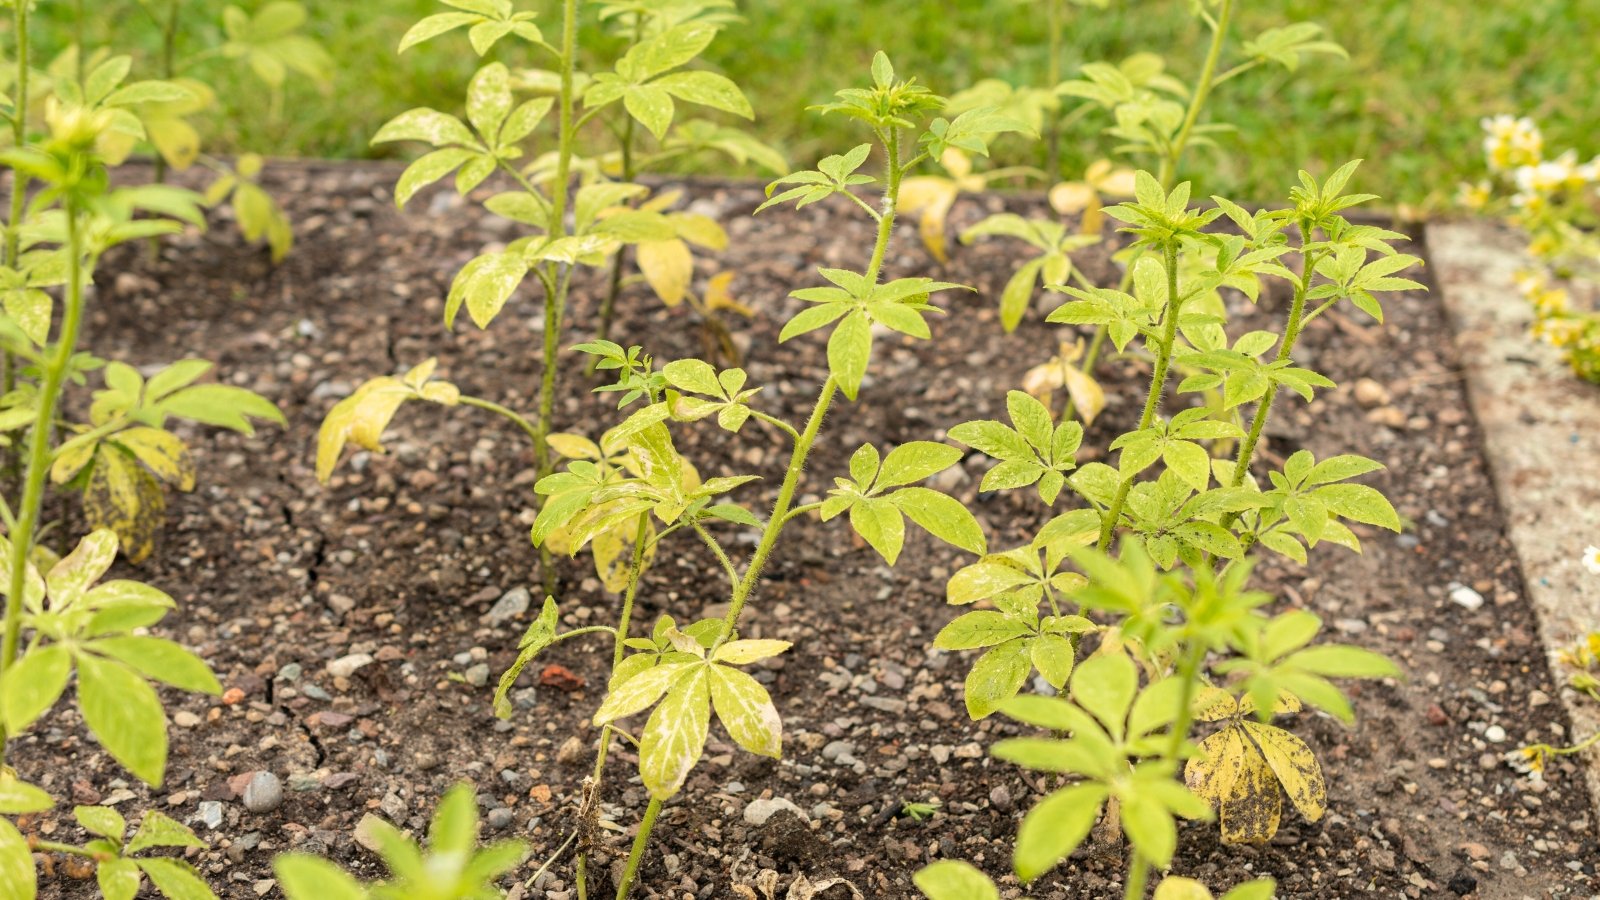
pixel 1541 433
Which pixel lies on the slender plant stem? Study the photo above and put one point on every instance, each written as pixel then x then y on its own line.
pixel 1188 677
pixel 169 42
pixel 19 196
pixel 780 509
pixel 619 645
pixel 1291 336
pixel 555 302
pixel 608 306
pixel 640 841
pixel 515 417
pixel 802 447
pixel 38 461
pixel 1168 168
pixel 1052 78
pixel 68 849
pixel 1158 385
pixel 1202 90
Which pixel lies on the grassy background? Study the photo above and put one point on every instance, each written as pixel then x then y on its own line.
pixel 1408 100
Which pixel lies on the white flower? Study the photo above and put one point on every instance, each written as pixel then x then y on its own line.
pixel 1591 560
pixel 1510 142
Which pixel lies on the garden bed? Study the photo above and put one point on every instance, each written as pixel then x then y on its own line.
pixel 404 556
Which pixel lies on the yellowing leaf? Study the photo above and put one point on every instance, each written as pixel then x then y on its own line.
pixel 1072 197
pixel 360 419
pixel 717 295
pixel 1232 776
pixel 573 446
pixel 1295 766
pixel 1088 398
pixel 930 197
pixel 738 653
pixel 1174 887
pixel 675 735
pixel 698 229
pixel 125 498
pixel 613 553
pixel 163 452
pixel 668 267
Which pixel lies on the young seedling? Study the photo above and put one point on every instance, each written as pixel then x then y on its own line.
pixel 1152 572
pixel 631 488
pixel 662 40
pixel 78 628
pixel 452 867
pixel 1155 118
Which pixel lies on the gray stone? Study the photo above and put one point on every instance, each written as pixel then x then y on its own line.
pixel 510 605
pixel 211 813
pixel 757 812
pixel 345 666
pixel 478 675
pixel 263 793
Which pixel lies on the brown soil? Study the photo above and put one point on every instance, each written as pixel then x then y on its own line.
pixel 403 554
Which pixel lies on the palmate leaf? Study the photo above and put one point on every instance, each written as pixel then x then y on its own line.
pixel 1240 773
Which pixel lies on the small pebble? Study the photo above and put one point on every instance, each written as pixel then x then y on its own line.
pixel 264 793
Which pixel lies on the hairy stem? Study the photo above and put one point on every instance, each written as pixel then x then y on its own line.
pixel 1158 386
pixel 1291 336
pixel 618 647
pixel 1202 90
pixel 38 459
pixel 555 302
pixel 802 446
pixel 636 855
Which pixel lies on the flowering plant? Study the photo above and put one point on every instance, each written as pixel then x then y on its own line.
pixel 1556 202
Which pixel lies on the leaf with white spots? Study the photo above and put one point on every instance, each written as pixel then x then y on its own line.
pixel 675 736
pixel 746 710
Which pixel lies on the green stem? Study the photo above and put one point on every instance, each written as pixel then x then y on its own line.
pixel 1158 385
pixel 55 847
pixel 555 302
pixel 169 42
pixel 618 647
pixel 802 446
pixel 608 306
pixel 38 461
pixel 780 509
pixel 1188 678
pixel 636 855
pixel 517 418
pixel 1053 78
pixel 716 550
pixel 19 196
pixel 1202 90
pixel 1291 336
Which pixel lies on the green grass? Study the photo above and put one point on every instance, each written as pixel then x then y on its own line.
pixel 1420 75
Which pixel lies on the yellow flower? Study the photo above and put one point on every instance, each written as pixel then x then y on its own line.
pixel 1510 142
